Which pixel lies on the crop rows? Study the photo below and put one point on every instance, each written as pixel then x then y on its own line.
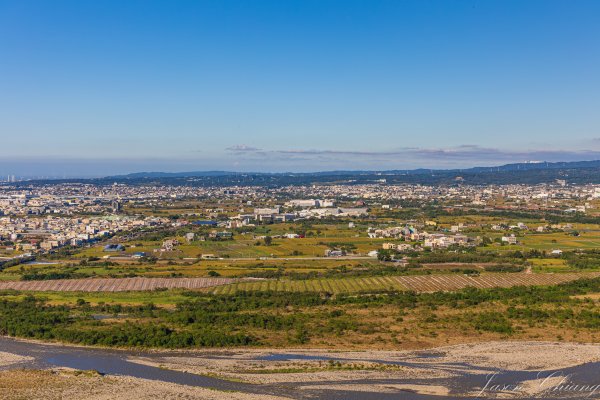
pixel 433 283
pixel 417 283
pixel 114 284
pixel 339 285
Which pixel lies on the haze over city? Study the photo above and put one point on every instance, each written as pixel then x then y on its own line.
pixel 111 87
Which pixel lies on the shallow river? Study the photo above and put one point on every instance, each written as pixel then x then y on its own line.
pixel 114 362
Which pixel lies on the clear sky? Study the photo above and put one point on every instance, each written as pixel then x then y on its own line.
pixel 102 87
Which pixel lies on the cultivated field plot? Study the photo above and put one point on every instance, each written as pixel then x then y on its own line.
pixel 114 284
pixel 417 283
pixel 434 283
pixel 338 285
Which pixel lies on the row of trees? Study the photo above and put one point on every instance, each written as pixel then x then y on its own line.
pixel 248 318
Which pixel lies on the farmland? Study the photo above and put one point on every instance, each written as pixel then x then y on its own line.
pixel 245 255
pixel 114 285
pixel 422 283
pixel 385 320
pixel 210 271
pixel 416 283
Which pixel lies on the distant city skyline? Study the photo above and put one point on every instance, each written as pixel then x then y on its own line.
pixel 100 88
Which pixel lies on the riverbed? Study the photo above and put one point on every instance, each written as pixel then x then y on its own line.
pixel 486 370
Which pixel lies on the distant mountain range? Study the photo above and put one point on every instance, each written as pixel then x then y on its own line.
pixel 141 175
pixel 578 172
pixel 526 166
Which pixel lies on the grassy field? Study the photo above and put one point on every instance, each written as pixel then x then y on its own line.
pixel 243 247
pixel 165 268
pixel 563 241
pixel 249 255
pixel 326 236
pixel 549 265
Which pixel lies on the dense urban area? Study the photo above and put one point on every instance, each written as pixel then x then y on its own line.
pixel 328 265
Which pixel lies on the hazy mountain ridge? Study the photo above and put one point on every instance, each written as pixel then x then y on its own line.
pixel 526 166
pixel 579 172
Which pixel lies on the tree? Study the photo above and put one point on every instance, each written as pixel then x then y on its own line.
pixel 384 255
pixel 268 240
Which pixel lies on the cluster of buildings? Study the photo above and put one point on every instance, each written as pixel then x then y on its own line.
pixel 280 214
pixel 440 240
pixel 422 239
pixel 552 196
pixel 41 218
pixel 309 201
pixel 44 234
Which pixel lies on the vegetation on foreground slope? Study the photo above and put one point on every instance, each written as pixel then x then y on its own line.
pixel 381 319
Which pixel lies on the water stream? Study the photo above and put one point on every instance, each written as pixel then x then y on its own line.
pixel 466 379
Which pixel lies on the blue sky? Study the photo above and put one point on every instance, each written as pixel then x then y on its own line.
pixel 102 87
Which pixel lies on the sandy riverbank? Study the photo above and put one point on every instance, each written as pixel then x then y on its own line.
pixel 64 384
pixel 441 362
pixel 515 355
pixel 9 359
pixel 246 370
pixel 427 372
pixel 507 354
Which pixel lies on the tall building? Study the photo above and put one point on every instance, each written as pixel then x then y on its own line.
pixel 116 206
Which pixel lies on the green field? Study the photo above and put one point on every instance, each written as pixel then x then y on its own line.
pixel 334 286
